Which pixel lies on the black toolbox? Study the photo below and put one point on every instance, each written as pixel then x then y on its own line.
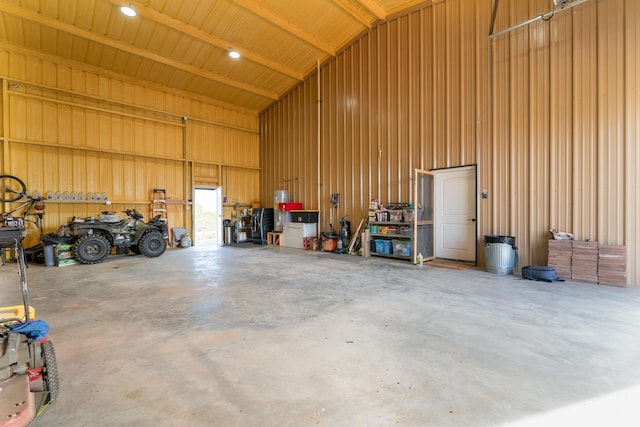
pixel 305 216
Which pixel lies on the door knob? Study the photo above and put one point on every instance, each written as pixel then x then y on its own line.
pixel 472 219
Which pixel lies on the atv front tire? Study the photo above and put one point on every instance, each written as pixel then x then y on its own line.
pixel 152 244
pixel 92 248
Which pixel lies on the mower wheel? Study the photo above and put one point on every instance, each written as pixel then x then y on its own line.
pixel 92 248
pixel 152 244
pixel 50 370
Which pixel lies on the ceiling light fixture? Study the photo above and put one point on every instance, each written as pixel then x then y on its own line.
pixel 234 54
pixel 128 10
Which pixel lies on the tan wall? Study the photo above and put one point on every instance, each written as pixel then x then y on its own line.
pixel 549 112
pixel 67 128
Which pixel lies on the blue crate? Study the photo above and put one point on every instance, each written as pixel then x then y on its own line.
pixel 384 247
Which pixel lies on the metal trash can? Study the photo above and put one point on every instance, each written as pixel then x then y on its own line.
pixel 228 232
pixel 50 255
pixel 501 254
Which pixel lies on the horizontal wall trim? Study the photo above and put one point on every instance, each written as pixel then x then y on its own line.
pixel 123 153
pixel 125 104
pixel 92 108
pixel 87 96
pixel 90 149
pixel 228 165
pixel 222 125
pixel 143 84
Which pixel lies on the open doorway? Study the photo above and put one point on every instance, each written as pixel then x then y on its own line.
pixel 207 211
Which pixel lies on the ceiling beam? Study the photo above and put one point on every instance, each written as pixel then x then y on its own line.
pixel 408 4
pixel 54 23
pixel 267 15
pixel 196 33
pixel 374 8
pixel 356 13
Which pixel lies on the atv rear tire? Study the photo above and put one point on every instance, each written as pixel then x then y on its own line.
pixel 50 370
pixel 152 244
pixel 92 248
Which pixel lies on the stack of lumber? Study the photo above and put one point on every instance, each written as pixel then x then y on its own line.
pixel 612 265
pixel 584 261
pixel 559 257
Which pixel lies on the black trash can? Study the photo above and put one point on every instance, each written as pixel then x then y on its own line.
pixel 501 254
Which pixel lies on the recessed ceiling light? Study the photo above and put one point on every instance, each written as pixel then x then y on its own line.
pixel 234 54
pixel 127 10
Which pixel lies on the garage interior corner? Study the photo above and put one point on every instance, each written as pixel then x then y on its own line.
pixel 272 336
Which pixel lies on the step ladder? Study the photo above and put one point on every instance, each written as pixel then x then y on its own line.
pixel 159 207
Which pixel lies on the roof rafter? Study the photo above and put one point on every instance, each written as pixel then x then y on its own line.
pixel 348 7
pixel 285 25
pixel 54 23
pixel 374 8
pixel 408 5
pixel 196 33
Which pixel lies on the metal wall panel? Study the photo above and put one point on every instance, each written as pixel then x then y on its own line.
pixel 206 176
pixel 70 129
pixel 632 136
pixel 548 112
pixel 220 145
pixel 611 172
pixel 377 107
pixel 561 117
pixel 584 116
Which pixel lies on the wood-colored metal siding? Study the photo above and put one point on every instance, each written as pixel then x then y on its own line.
pixel 293 165
pixel 549 112
pixel 632 137
pixel 383 100
pixel 68 128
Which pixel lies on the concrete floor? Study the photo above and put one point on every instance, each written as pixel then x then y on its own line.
pixel 270 336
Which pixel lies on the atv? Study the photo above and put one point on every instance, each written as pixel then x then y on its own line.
pixel 93 240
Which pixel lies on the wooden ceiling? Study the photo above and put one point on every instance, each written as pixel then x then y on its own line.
pixel 184 44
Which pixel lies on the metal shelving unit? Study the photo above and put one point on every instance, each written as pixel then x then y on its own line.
pixel 391 236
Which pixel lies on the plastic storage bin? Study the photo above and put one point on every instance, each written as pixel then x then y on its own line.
pixel 395 215
pixel 384 246
pixel 402 247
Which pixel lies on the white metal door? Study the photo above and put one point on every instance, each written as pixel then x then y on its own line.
pixel 456 213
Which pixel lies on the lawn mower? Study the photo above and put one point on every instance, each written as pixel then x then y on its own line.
pixel 28 369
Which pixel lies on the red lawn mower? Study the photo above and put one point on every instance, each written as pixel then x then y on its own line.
pixel 28 370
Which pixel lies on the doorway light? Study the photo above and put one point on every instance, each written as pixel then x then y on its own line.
pixel 234 54
pixel 127 10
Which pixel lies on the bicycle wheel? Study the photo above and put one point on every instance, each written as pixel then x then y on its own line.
pixel 11 188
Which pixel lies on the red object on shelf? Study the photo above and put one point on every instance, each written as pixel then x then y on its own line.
pixel 289 206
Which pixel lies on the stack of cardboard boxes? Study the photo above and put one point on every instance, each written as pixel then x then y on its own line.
pixel 612 265
pixel 589 262
pixel 584 262
pixel 560 257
